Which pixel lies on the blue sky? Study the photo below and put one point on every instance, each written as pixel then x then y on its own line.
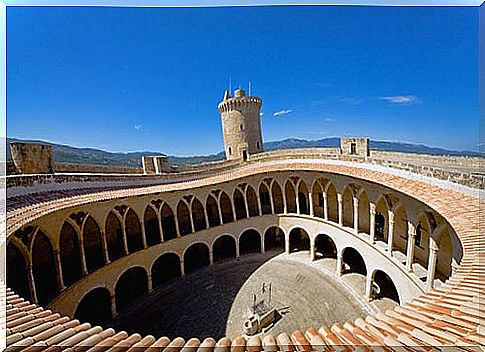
pixel 125 79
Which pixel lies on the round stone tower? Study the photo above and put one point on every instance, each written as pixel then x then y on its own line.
pixel 241 124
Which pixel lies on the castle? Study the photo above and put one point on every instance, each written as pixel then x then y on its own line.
pixel 403 230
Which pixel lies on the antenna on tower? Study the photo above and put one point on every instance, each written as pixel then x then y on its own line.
pixel 249 88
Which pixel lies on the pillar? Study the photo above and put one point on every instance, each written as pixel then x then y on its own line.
pixel 105 247
pixel 356 214
pixel 271 200
pixel 113 305
pixel 207 225
pixel 312 250
pixel 287 244
pixel 125 240
pixel 368 287
pixel 220 213
pixel 260 208
pixel 285 206
pixel 390 233
pixel 297 199
pixel 410 246
pixel 310 202
pixel 432 260
pixel 263 249
pixel 160 228
pixel 372 222
pixel 176 220
pixel 245 205
pixel 325 206
pixel 33 291
pixel 339 264
pixel 211 258
pixel 237 249
pixel 182 268
pixel 340 210
pixel 143 236
pixel 83 258
pixel 191 219
pixel 149 281
pixel 59 277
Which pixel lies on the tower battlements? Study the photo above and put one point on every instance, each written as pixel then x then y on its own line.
pixel 241 124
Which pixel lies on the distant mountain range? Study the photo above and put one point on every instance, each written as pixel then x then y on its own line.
pixel 65 153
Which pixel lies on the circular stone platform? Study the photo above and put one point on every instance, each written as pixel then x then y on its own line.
pixel 214 301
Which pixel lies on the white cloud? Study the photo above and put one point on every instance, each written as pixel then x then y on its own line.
pixel 138 127
pixel 282 112
pixel 401 99
pixel 329 119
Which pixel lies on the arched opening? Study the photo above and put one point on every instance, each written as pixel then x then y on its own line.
pixel 93 245
pixel 265 199
pixel 400 232
pixel 318 201
pixel 212 212
pixel 114 237
pixel 130 286
pixel 332 203
pixel 250 242
pixel 44 269
pixel 239 205
pixel 196 257
pixel 152 228
pixel 299 240
pixel 290 197
pixel 348 208
pixel 274 239
pixel 277 196
pixel 165 268
pixel 384 287
pixel 70 254
pixel 353 262
pixel 95 307
pixel 226 208
pixel 364 213
pixel 17 278
pixel 183 217
pixel 325 247
pixel 168 223
pixel 445 255
pixel 198 215
pixel 303 198
pixel 421 242
pixel 253 207
pixel 381 224
pixel 133 232
pixel 224 247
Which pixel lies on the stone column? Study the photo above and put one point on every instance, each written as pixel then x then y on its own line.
pixel 356 214
pixel 160 228
pixel 237 249
pixel 372 222
pixel 105 247
pixel 143 236
pixel 287 244
pixel 176 220
pixel 220 214
pixel 246 205
pixel 297 199
pixel 207 225
pixel 33 291
pixel 211 258
pixel 368 287
pixel 432 260
pixel 150 283
pixel 125 240
pixel 59 277
pixel 182 268
pixel 410 247
pixel 340 210
pixel 113 305
pixel 233 207
pixel 339 264
pixel 263 249
pixel 325 206
pixel 191 220
pixel 312 251
pixel 83 258
pixel 260 208
pixel 310 201
pixel 271 201
pixel 390 233
pixel 285 205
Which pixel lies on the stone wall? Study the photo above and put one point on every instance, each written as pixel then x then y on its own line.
pixel 32 158
pixel 88 168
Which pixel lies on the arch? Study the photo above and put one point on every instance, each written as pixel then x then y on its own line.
pixel 400 230
pixel 183 217
pixel 95 307
pixel 239 205
pixel 93 245
pixel 226 208
pixel 290 197
pixel 114 237
pixel 381 220
pixel 265 199
pixel 348 207
pixel 364 213
pixel 303 202
pixel 252 200
pixel 332 203
pixel 165 268
pixel 277 195
pixel 168 223
pixel 17 277
pixel 250 242
pixel 198 215
pixel 299 240
pixel 421 242
pixel 131 285
pixel 70 254
pixel 152 228
pixel 212 211
pixel 384 287
pixel 224 247
pixel 325 247
pixel 44 269
pixel 274 239
pixel 318 202
pixel 196 257
pixel 445 255
pixel 353 262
